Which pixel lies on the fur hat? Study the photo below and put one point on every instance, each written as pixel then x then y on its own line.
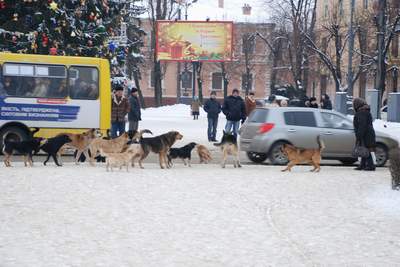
pixel 358 103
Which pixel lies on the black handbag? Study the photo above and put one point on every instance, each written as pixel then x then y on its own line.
pixel 360 151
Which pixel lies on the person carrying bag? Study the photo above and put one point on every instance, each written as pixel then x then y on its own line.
pixel 365 135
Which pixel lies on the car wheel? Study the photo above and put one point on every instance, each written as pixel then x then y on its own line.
pixel 257 157
pixel 276 156
pixel 348 162
pixel 381 154
pixel 12 134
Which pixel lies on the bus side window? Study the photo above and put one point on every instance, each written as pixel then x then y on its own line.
pixel 2 91
pixel 11 85
pixel 84 83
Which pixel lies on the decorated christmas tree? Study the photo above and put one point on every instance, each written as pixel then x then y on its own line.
pixel 72 28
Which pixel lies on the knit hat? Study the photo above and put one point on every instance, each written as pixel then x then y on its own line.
pixel 134 90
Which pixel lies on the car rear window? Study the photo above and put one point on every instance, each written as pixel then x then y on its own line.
pixel 259 115
pixel 300 118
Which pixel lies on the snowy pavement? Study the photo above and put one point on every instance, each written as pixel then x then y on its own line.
pixel 199 216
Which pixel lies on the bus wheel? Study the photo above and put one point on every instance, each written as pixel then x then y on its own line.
pixel 12 134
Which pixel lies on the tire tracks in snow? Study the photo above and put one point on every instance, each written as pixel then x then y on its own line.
pixel 292 244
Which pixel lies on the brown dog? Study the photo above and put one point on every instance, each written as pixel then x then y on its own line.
pixel 159 145
pixel 121 159
pixel 115 145
pixel 80 142
pixel 302 155
pixel 204 154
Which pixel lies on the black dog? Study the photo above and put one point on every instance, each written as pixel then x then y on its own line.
pixel 52 146
pixel 26 148
pixel 183 153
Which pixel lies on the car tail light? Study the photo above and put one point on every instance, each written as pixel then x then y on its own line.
pixel 266 127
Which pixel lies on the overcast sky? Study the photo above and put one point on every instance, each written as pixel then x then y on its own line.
pixel 232 10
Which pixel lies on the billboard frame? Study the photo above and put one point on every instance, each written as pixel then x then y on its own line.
pixel 196 21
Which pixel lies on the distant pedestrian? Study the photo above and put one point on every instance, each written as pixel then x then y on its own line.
pixel 272 101
pixel 313 103
pixel 326 102
pixel 119 109
pixel 212 107
pixel 195 107
pixel 134 115
pixel 284 103
pixel 365 133
pixel 235 111
pixel 250 103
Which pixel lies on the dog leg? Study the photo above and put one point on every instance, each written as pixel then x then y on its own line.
pixel 48 157
pixel 189 163
pixel 86 153
pixel 224 159
pixel 56 160
pixel 78 155
pixel 161 159
pixel 25 161
pixel 30 159
pixel 238 160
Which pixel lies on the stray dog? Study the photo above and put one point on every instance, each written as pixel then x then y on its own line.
pixel 204 154
pixel 302 155
pixel 26 148
pixel 53 145
pixel 229 146
pixel 183 153
pixel 81 142
pixel 160 145
pixel 120 159
pixel 115 145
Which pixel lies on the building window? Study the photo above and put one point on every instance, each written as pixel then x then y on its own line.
pixel 248 45
pixel 244 81
pixel 216 81
pixel 186 80
pixel 365 4
pixel 326 9
pixel 341 11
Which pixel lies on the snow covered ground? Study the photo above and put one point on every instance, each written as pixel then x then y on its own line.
pixel 199 216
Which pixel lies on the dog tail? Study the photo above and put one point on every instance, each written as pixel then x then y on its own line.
pixel 35 131
pixel 321 143
pixel 5 139
pixel 139 135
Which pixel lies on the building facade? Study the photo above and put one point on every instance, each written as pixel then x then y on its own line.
pixel 177 82
pixel 330 12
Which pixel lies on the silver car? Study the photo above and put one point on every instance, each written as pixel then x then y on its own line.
pixel 266 129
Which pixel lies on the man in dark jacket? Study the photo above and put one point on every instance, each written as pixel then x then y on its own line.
pixel 213 108
pixel 326 102
pixel 134 115
pixel 365 133
pixel 235 111
pixel 119 109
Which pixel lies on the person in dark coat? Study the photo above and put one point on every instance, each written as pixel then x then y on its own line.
pixel 326 102
pixel 235 111
pixel 134 114
pixel 212 107
pixel 365 133
pixel 313 102
pixel 119 109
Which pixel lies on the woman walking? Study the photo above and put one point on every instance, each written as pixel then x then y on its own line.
pixel 365 133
